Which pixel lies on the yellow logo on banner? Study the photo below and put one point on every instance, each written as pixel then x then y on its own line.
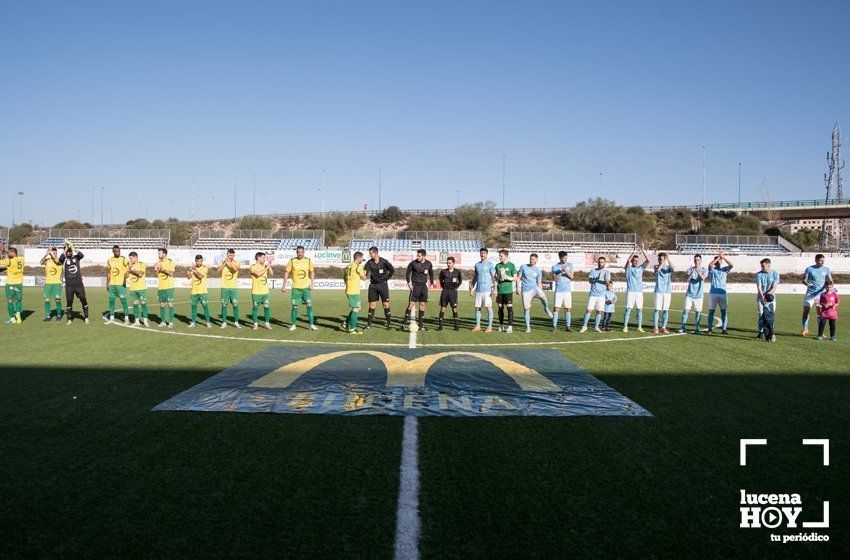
pixel 406 373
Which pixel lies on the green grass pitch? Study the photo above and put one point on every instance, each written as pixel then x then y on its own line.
pixel 87 469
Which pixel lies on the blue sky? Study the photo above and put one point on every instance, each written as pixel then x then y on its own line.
pixel 144 99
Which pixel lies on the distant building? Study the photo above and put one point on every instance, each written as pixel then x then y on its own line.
pixel 808 223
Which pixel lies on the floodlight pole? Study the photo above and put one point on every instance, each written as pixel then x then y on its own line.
pixel 504 157
pixel 21 206
pixel 379 190
pixel 92 205
pixel 235 211
pixel 101 206
pixel 255 196
pixel 703 177
pixel 739 183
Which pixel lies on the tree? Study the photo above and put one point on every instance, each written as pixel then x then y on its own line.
pixel 428 223
pixel 390 214
pixel 19 233
pixel 255 222
pixel 73 224
pixel 138 223
pixel 474 217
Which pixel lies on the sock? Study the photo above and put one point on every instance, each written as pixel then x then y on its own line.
pixel 351 321
pixel 510 316
pixel 370 317
pixel 586 319
pixel 454 316
pixel 440 317
pixel 58 307
pixel 10 305
pixel 545 305
pixel 406 317
pixel 527 318
pixel 723 318
pixel 421 317
pixel 162 317
pixel 111 306
pixel 144 310
pixel 664 317
pixel 596 320
pixel 477 317
pixel 684 318
pixel 207 313
pixel 698 317
pixel 236 314
pixel 47 309
pixel 267 313
pixel 501 315
pixel 193 312
pixel 86 310
pixel 568 317
pixel 555 321
pixel 223 314
pixel 68 311
pixel 626 317
pixel 655 318
pixel 489 318
pixel 711 319
pixel 136 310
pixel 806 323
pixel 640 318
pixel 388 315
pixel 124 306
pixel 310 317
pixel 294 315
pixel 254 311
pixel 170 313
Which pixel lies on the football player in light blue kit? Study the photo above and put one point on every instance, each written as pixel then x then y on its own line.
pixel 814 279
pixel 717 274
pixel 531 283
pixel 663 291
pixel 598 278
pixel 634 289
pixel 766 282
pixel 562 273
pixel 484 288
pixel 697 275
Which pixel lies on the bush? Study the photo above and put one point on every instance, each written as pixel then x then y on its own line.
pixel 138 223
pixel 474 217
pixel 390 214
pixel 336 225
pixel 73 224
pixel 738 224
pixel 806 239
pixel 593 215
pixel 426 223
pixel 179 230
pixel 19 233
pixel 255 222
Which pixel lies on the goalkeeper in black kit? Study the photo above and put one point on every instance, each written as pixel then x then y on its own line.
pixel 450 280
pixel 70 261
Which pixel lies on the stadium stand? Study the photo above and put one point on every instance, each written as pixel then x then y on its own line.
pixel 401 241
pixel 524 241
pixel 259 240
pixel 102 238
pixel 735 244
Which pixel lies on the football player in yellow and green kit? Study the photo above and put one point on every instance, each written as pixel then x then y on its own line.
pixel 14 282
pixel 303 274
pixel 261 271
pixel 164 269
pixel 52 283
pixel 138 289
pixel 198 275
pixel 353 274
pixel 229 269
pixel 116 275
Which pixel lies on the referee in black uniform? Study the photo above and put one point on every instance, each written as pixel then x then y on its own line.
pixel 379 270
pixel 420 273
pixel 450 280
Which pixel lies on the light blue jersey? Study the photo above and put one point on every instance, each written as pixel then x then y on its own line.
pixel 597 278
pixel 529 277
pixel 767 280
pixel 695 282
pixel 817 278
pixel 485 271
pixel 563 283
pixel 634 278
pixel 610 300
pixel 717 277
pixel 662 279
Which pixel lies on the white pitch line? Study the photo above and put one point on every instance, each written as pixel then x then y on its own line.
pixel 398 344
pixel 407 526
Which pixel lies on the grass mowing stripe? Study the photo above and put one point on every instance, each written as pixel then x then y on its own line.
pixel 407 514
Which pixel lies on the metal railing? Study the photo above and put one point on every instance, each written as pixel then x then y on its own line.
pixel 727 240
pixel 572 237
pixel 259 234
pixel 106 233
pixel 418 235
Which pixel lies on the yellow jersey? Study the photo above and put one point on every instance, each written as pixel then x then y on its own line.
pixel 137 283
pixel 230 278
pixel 299 270
pixel 14 270
pixel 52 272
pixel 117 270
pixel 259 284
pixel 199 285
pixel 352 275
pixel 164 281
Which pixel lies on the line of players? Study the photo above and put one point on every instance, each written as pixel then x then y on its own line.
pixel 126 282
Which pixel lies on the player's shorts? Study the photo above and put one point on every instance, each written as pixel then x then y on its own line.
pixel 564 299
pixel 300 295
pixel 116 291
pixel 662 301
pixel 716 300
pixel 140 296
pixel 810 301
pixel 53 291
pixel 14 291
pixel 260 299
pixel 596 303
pixel 693 303
pixel 528 297
pixel 229 296
pixel 379 291
pixel 505 299
pixel 203 299
pixel 353 300
pixel 483 299
pixel 419 293
pixel 448 298
pixel 634 300
pixel 165 296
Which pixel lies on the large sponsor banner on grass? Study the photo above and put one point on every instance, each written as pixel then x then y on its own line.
pixel 421 382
